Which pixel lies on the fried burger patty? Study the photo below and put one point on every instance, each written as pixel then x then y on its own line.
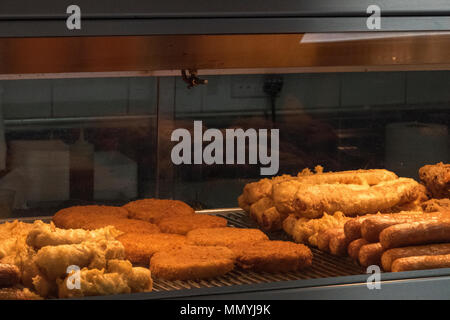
pixel 184 224
pixel 192 262
pixel 139 247
pixel 79 216
pixel 273 256
pixel 224 236
pixel 154 210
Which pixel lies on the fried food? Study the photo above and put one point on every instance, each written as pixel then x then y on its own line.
pixel 434 205
pixel 139 248
pixel 43 234
pixel 354 247
pixel 266 215
pixel 304 230
pixel 192 262
pixel 224 236
pixel 18 294
pixel 154 210
pixel 124 225
pixel 391 255
pixel 416 233
pixel 272 256
pixel 421 263
pixel 183 224
pixel 324 237
pixel 119 277
pixel 79 216
pixel 437 179
pixel 370 254
pixel 338 244
pixel 311 201
pixel 9 275
pixel 53 261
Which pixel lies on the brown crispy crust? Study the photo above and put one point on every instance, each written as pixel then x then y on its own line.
pixel 391 255
pixel 183 224
pixel 192 262
pixel 78 217
pixel 273 256
pixel 323 238
pixel 9 275
pixel 354 247
pixel 224 236
pixel 421 263
pixel 370 254
pixel 139 248
pixel 415 233
pixel 18 294
pixel 154 210
pixel 338 244
pixel 437 179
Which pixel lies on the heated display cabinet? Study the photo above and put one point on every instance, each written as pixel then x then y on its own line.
pixel 88 114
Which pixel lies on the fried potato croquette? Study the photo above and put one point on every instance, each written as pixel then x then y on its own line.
pixel 183 224
pixel 192 262
pixel 154 210
pixel 79 216
pixel 224 236
pixel 273 256
pixel 139 248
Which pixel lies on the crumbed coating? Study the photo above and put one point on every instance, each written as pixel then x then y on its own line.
pixel 18 294
pixel 224 236
pixel 139 248
pixel 192 262
pixel 154 210
pixel 273 256
pixel 79 216
pixel 437 179
pixel 183 224
pixel 124 225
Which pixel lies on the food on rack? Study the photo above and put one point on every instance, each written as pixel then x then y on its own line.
pixel 338 244
pixel 154 210
pixel 304 230
pixel 225 236
pixel 311 201
pixel 437 179
pixel 272 256
pixel 324 236
pixel 416 233
pixel 44 234
pixel 18 294
pixel 254 191
pixel 370 254
pixel 9 275
pixel 125 225
pixel 434 205
pixel 183 224
pixel 118 277
pixel 354 247
pixel 421 263
pixel 391 255
pixel 79 217
pixel 192 262
pixel 266 215
pixel 139 248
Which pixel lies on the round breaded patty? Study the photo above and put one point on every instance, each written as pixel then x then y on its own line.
pixel 224 236
pixel 192 262
pixel 184 224
pixel 124 225
pixel 273 256
pixel 139 248
pixel 77 217
pixel 154 210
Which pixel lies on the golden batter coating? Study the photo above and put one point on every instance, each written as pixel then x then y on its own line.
pixel 18 294
pixel 154 210
pixel 139 248
pixel 192 262
pixel 79 216
pixel 273 256
pixel 437 179
pixel 183 224
pixel 224 236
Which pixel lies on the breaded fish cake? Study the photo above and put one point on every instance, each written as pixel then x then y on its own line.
pixel 192 262
pixel 184 224
pixel 224 236
pixel 273 256
pixel 139 248
pixel 153 210
pixel 124 225
pixel 77 217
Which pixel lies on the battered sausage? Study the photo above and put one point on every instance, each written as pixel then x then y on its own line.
pixel 415 233
pixel 391 255
pixel 338 244
pixel 421 263
pixel 354 247
pixel 370 254
pixel 323 238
